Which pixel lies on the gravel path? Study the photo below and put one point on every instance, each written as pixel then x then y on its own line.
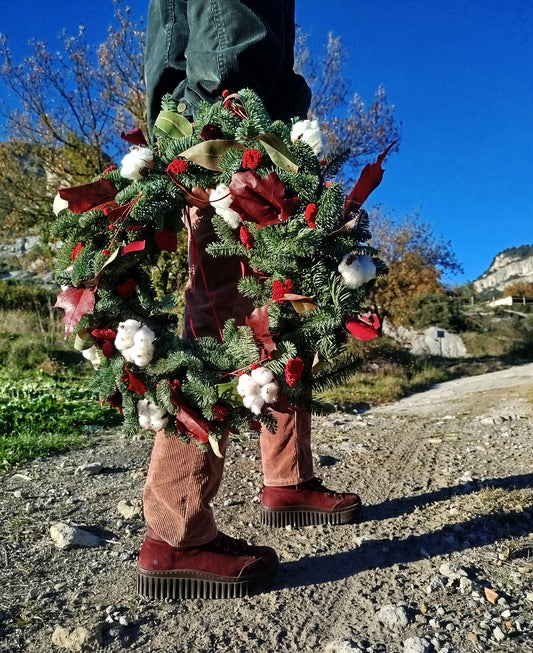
pixel 442 561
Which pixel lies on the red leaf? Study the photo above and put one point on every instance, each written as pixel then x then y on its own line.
pixel 167 240
pixel 76 302
pixel 89 197
pixel 261 200
pixel 369 179
pixel 134 136
pixel 364 327
pixel 258 322
pixel 197 427
pixel 136 246
pixel 135 382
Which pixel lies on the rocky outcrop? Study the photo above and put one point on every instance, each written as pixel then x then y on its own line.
pixel 513 264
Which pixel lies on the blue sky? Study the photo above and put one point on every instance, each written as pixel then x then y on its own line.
pixel 459 73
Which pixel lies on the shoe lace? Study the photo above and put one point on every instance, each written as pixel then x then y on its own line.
pixel 317 485
pixel 228 544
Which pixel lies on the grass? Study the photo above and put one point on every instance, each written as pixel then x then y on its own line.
pixel 42 415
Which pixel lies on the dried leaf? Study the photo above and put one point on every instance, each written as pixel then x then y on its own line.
pixel 215 446
pixel 134 136
pixel 364 327
pixel 278 152
pixel 173 124
pixel 136 384
pixel 136 246
pixel 259 323
pixel 261 199
pixel 208 153
pixel 89 197
pixel 369 179
pixel 76 302
pixel 301 304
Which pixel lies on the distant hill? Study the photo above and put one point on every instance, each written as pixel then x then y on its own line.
pixel 513 264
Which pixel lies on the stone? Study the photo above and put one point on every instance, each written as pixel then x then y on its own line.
pixel 89 469
pixel 498 634
pixel 342 646
pixel 66 537
pixel 130 509
pixel 394 616
pixel 417 645
pixel 79 639
pixel 436 583
pixel 452 571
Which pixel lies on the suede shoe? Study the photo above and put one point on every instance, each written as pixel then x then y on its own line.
pixel 306 504
pixel 223 568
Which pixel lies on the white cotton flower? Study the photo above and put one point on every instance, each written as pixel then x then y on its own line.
pixel 136 163
pixel 125 334
pixel 262 375
pixel 151 417
pixel 309 132
pixel 143 336
pixel 257 388
pixel 143 358
pixel 220 199
pixel 269 392
pixel 92 354
pixel 59 205
pixel 357 269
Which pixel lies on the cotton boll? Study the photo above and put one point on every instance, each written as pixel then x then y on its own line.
pixel 143 359
pixel 136 163
pixel 253 402
pixel 93 356
pixel 357 270
pixel 221 199
pixel 262 375
pixel 247 386
pixel 125 334
pixel 309 132
pixel 269 392
pixel 143 335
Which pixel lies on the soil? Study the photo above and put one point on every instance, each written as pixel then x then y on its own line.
pixel 442 560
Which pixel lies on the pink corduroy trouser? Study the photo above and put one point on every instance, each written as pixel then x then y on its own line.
pixel 182 480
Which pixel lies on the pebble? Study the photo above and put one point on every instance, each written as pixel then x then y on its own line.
pixel 130 509
pixel 393 616
pixel 66 536
pixel 498 634
pixel 342 646
pixel 89 469
pixel 416 645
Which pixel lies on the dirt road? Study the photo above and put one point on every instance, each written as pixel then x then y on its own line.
pixel 441 562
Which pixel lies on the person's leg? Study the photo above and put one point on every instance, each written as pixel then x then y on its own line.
pixel 183 554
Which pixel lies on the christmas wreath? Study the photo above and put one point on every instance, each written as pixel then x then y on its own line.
pixel 305 242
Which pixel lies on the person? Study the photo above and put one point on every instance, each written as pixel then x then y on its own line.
pixel 195 50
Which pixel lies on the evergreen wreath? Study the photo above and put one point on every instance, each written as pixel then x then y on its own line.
pixel 309 261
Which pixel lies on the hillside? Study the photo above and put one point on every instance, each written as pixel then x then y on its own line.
pixel 513 264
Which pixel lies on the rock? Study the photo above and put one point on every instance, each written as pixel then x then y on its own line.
pixel 342 646
pixel 66 536
pixel 452 571
pixel 529 597
pixel 416 645
pixel 435 584
pixel 393 616
pixel 498 634
pixel 326 461
pixel 89 469
pixel 79 639
pixel 130 509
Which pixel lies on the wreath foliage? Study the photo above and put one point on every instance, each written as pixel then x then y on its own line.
pixel 309 261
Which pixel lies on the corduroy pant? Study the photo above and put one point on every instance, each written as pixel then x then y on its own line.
pixel 182 480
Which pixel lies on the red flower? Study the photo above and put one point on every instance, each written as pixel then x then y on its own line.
pixel 246 238
pixel 255 425
pixel 252 159
pixel 175 389
pixel 294 370
pixel 126 289
pixel 135 382
pixel 177 167
pixel 210 132
pixel 310 214
pixel 105 339
pixel 219 412
pixel 115 400
pixel 76 251
pixel 280 289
